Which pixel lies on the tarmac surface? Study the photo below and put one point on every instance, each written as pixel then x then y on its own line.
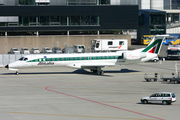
pixel 61 93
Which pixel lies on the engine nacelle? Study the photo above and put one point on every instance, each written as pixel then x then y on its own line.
pixel 133 55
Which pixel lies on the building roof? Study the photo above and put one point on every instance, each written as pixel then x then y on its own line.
pixel 172 11
pixel 151 10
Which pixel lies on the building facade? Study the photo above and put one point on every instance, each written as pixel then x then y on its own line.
pixel 65 17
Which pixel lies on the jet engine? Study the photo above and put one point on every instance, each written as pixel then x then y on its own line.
pixel 133 55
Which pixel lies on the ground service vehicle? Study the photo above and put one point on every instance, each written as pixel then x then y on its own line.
pixel 112 45
pixel 25 50
pixel 160 97
pixel 173 52
pixel 146 39
pixel 173 39
pixel 79 48
pixel 35 51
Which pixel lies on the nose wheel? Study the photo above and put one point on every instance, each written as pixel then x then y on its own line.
pixel 101 72
pixel 17 73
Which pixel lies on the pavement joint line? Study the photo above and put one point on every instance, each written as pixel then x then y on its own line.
pixel 76 116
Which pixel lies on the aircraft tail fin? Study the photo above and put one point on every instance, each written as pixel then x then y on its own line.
pixel 155 45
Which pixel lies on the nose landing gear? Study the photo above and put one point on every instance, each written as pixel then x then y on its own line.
pixel 17 73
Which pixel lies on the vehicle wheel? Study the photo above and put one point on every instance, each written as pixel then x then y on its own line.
pixel 155 60
pixel 155 80
pixel 164 102
pixel 145 101
pixel 175 82
pixel 17 73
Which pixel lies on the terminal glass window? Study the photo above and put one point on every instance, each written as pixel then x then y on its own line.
pixel 63 20
pixel 33 20
pixel 54 20
pixel 94 20
pixel 157 29
pixel 158 19
pixel 85 20
pixel 75 20
pixel 26 2
pixel 23 21
pixel 81 2
pixel 104 2
pixel 175 4
pixel 44 20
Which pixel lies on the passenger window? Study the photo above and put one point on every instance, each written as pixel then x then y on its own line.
pixel 153 95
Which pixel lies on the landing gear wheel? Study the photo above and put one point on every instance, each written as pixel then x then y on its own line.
pixel 17 73
pixel 175 82
pixel 102 72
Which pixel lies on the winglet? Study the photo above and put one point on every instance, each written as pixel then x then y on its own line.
pixel 155 45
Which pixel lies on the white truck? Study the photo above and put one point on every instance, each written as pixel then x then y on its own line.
pixel 173 52
pixel 99 45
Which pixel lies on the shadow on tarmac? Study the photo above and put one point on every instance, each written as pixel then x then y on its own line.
pixel 79 71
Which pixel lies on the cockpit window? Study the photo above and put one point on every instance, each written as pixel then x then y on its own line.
pixel 22 58
pixel 25 59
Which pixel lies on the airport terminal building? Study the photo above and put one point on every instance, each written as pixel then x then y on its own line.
pixel 65 17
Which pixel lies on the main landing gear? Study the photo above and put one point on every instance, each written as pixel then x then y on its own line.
pixel 98 71
pixel 17 73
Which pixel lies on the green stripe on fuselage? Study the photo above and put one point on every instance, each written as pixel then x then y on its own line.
pixel 75 58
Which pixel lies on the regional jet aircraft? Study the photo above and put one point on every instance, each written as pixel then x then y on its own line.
pixel 92 61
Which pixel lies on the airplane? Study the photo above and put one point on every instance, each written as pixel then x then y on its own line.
pixel 93 61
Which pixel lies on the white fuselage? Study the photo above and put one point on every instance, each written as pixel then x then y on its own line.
pixel 81 60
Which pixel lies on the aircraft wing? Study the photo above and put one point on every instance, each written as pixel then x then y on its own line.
pixel 89 66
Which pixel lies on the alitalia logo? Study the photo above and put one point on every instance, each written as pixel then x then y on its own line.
pixel 46 63
pixel 153 47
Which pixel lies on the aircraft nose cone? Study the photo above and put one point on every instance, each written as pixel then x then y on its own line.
pixel 7 66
